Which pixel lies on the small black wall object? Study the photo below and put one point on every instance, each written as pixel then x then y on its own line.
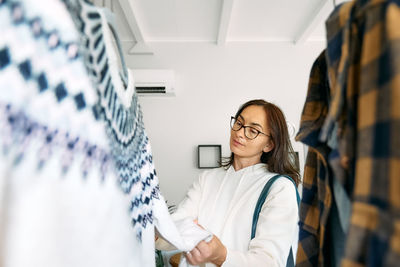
pixel 208 156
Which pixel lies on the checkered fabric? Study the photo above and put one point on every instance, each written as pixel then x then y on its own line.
pixel 363 56
pixel 317 196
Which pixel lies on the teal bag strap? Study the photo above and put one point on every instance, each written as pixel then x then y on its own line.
pixel 260 203
pixel 262 198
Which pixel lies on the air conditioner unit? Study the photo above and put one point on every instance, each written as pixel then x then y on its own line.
pixel 154 82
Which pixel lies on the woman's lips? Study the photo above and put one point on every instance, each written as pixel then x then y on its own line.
pixel 236 143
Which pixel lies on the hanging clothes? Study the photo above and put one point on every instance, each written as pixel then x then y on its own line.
pixel 363 56
pixel 119 108
pixel 325 206
pixel 68 148
pixel 61 205
pixel 357 121
pixel 316 199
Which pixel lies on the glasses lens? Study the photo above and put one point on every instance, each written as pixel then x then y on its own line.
pixel 236 124
pixel 232 122
pixel 250 132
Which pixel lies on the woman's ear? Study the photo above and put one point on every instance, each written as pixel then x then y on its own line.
pixel 268 147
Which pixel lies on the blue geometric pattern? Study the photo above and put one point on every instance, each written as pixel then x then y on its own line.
pixel 42 82
pixel 129 142
pixel 22 131
pixel 129 147
pixel 28 73
pixel 80 101
pixel 61 92
pixel 25 69
pixel 19 130
pixel 53 40
pixel 4 58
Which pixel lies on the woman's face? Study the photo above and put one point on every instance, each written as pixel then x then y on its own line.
pixel 242 146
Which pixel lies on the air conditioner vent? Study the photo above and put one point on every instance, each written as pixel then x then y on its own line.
pixel 150 90
pixel 154 82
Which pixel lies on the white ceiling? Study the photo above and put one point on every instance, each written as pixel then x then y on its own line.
pixel 219 21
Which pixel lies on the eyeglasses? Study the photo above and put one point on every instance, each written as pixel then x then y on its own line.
pixel 249 131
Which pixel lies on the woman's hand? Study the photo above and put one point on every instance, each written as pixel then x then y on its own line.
pixel 213 251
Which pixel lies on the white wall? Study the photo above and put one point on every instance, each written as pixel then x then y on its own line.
pixel 211 83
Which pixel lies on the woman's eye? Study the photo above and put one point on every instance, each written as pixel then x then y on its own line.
pixel 253 131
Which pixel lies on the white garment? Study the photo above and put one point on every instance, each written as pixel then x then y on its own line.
pixel 190 234
pixel 223 201
pixel 61 202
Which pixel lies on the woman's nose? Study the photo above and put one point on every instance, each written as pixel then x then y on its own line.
pixel 240 133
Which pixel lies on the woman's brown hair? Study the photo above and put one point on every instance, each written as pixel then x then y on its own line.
pixel 281 158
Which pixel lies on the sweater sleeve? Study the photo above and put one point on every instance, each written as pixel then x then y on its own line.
pixel 276 228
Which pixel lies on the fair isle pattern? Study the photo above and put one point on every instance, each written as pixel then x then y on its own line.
pixel 41 66
pixel 121 111
pixel 20 133
pixel 30 74
pixel 40 78
pixel 45 39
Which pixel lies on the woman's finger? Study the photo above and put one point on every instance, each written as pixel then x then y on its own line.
pixel 205 249
pixel 189 258
pixel 196 254
pixel 201 246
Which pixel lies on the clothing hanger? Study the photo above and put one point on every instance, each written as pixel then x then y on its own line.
pixel 111 23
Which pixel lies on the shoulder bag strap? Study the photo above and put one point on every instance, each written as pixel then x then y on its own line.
pixel 260 203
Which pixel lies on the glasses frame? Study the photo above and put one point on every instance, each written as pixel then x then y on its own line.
pixel 244 129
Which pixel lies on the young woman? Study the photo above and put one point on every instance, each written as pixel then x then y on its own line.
pixel 223 200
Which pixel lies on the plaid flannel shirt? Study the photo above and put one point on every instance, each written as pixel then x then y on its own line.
pixel 363 56
pixel 317 195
